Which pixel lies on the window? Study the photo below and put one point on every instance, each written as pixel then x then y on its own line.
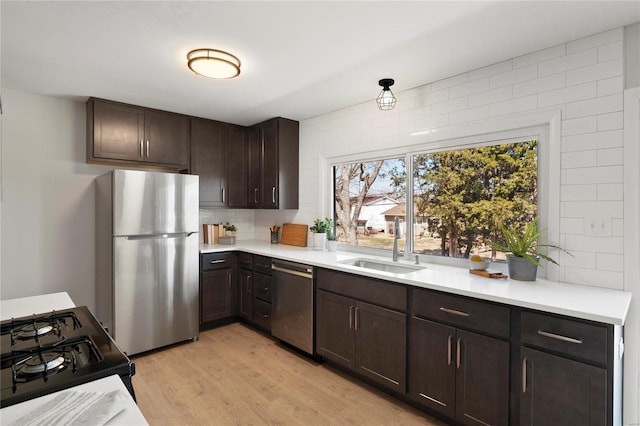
pixel 458 197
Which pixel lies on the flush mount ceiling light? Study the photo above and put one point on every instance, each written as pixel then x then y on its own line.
pixel 385 100
pixel 213 63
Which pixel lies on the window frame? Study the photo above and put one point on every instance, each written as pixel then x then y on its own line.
pixel 543 127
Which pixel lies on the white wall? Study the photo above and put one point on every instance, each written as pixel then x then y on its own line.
pixel 48 199
pixel 584 80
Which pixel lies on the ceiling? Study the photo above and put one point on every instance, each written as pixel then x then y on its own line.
pixel 300 59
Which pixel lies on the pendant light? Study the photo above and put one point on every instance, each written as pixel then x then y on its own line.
pixel 385 100
pixel 213 63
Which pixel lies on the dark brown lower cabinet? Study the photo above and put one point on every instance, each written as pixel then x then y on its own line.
pixel 365 338
pixel 218 287
pixel 560 391
pixel 461 374
pixel 245 307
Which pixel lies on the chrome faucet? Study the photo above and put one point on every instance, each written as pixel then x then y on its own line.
pixel 396 235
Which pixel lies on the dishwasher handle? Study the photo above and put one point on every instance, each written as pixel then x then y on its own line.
pixel 307 271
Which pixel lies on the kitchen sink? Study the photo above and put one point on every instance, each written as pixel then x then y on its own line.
pixel 382 265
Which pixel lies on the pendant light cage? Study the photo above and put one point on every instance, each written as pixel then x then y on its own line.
pixel 386 100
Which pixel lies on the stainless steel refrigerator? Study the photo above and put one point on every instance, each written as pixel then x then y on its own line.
pixel 147 258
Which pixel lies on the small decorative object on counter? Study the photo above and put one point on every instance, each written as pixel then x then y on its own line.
pixel 275 236
pixel 332 243
pixel 478 263
pixel 229 229
pixel 319 229
pixel 228 234
pixel 524 259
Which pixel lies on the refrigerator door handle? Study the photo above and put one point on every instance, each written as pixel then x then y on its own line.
pixel 157 236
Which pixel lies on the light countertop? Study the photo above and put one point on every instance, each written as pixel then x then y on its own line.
pixel 23 306
pixel 579 301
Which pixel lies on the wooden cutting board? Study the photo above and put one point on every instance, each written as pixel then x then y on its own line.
pixel 488 273
pixel 294 234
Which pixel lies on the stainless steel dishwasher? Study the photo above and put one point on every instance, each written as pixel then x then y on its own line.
pixel 292 304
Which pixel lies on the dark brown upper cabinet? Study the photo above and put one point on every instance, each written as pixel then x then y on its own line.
pixel 237 168
pixel 273 164
pixel 209 148
pixel 119 133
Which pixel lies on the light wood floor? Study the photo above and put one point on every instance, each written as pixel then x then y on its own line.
pixel 234 375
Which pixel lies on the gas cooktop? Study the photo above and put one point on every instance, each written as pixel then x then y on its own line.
pixel 48 352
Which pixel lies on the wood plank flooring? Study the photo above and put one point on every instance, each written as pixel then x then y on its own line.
pixel 234 375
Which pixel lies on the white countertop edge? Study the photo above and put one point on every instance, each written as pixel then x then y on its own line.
pixel 579 301
pixel 130 415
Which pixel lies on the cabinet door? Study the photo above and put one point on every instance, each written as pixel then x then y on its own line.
pixel 246 294
pixel 335 338
pixel 254 145
pixel 482 380
pixel 209 160
pixel 237 168
pixel 381 345
pixel 166 138
pixel 118 131
pixel 559 391
pixel 216 295
pixel 432 365
pixel 269 165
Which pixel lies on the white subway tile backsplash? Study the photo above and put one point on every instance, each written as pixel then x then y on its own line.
pixel 491 96
pixel 610 157
pixel 469 88
pixel 540 56
pixel 610 51
pixel 595 72
pixel 593 208
pixel 610 192
pixel 595 106
pixel 490 70
pixel 611 245
pixel 574 159
pixel 568 62
pixel 526 73
pixel 609 262
pixel 586 175
pixel 593 277
pixel 610 86
pixel 544 84
pixel 579 126
pixel 448 106
pixel 471 114
pixel 572 225
pixel 449 82
pixel 578 193
pixel 599 140
pixel 567 94
pixel 578 259
pixel 595 40
pixel 525 103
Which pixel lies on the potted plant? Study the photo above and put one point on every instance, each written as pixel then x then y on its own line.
pixel 229 229
pixel 524 258
pixel 319 229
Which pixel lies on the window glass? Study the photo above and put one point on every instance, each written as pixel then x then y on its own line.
pixel 462 197
pixel 368 196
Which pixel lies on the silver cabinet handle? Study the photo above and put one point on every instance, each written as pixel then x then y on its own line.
pixel 454 312
pixel 458 353
pixel 147 148
pixel 355 315
pixel 560 337
pixel 141 151
pixel 449 342
pixel 255 195
pixel 350 317
pixel 273 194
pixel 223 195
pixel 213 262
pixel 229 279
pixel 524 375
pixel 249 283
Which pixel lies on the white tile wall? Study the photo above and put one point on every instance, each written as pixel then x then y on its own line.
pixel 582 78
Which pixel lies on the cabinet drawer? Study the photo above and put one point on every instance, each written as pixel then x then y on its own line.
pixel 262 264
pixel 389 295
pixel 262 286
pixel 582 340
pixel 246 261
pixel 262 314
pixel 462 312
pixel 216 261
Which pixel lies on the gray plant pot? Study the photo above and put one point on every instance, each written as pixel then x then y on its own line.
pixel 521 269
